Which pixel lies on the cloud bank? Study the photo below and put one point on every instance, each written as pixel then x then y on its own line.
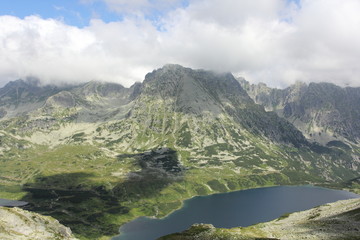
pixel 273 41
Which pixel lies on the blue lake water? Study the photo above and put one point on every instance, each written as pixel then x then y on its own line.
pixel 241 208
pixel 11 203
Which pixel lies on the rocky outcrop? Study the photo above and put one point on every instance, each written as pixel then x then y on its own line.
pixel 62 99
pixel 323 112
pixel 206 93
pixel 19 224
pixel 23 96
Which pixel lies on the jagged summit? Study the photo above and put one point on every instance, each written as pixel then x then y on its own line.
pixel 18 89
pixel 211 94
pixel 324 112
pixel 22 96
pixel 100 88
pixel 195 87
pixel 177 89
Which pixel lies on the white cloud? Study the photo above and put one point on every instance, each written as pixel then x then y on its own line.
pixel 125 6
pixel 54 52
pixel 140 8
pixel 272 41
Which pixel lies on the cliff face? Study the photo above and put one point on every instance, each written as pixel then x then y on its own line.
pixel 339 220
pixel 323 112
pixel 19 224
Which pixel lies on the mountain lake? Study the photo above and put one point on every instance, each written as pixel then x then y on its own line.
pixel 227 210
pixel 11 203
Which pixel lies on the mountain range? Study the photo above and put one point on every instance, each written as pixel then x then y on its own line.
pixel 97 155
pixel 323 112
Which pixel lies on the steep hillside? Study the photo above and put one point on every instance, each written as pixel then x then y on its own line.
pixel 201 93
pixel 20 97
pixel 18 224
pixel 97 155
pixel 323 112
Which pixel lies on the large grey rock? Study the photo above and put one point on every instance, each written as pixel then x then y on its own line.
pixel 19 224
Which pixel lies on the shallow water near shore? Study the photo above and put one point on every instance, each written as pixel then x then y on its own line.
pixel 227 210
pixel 11 203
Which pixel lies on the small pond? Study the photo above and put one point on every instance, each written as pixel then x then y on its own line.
pixel 11 203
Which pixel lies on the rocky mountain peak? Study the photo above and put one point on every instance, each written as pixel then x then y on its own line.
pixel 22 96
pixel 28 82
pixel 298 85
pixel 186 84
pixel 102 89
pixel 195 91
pixel 322 111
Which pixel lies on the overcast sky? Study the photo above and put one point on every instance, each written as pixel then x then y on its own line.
pixel 273 41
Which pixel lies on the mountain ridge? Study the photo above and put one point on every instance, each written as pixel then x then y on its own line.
pixel 139 151
pixel 323 112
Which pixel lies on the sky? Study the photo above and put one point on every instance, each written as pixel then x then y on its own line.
pixel 277 42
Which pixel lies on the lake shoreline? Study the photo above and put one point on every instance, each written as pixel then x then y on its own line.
pixel 243 191
pixel 12 203
pixel 329 186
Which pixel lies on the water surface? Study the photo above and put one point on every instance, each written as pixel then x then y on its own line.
pixel 241 208
pixel 11 203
